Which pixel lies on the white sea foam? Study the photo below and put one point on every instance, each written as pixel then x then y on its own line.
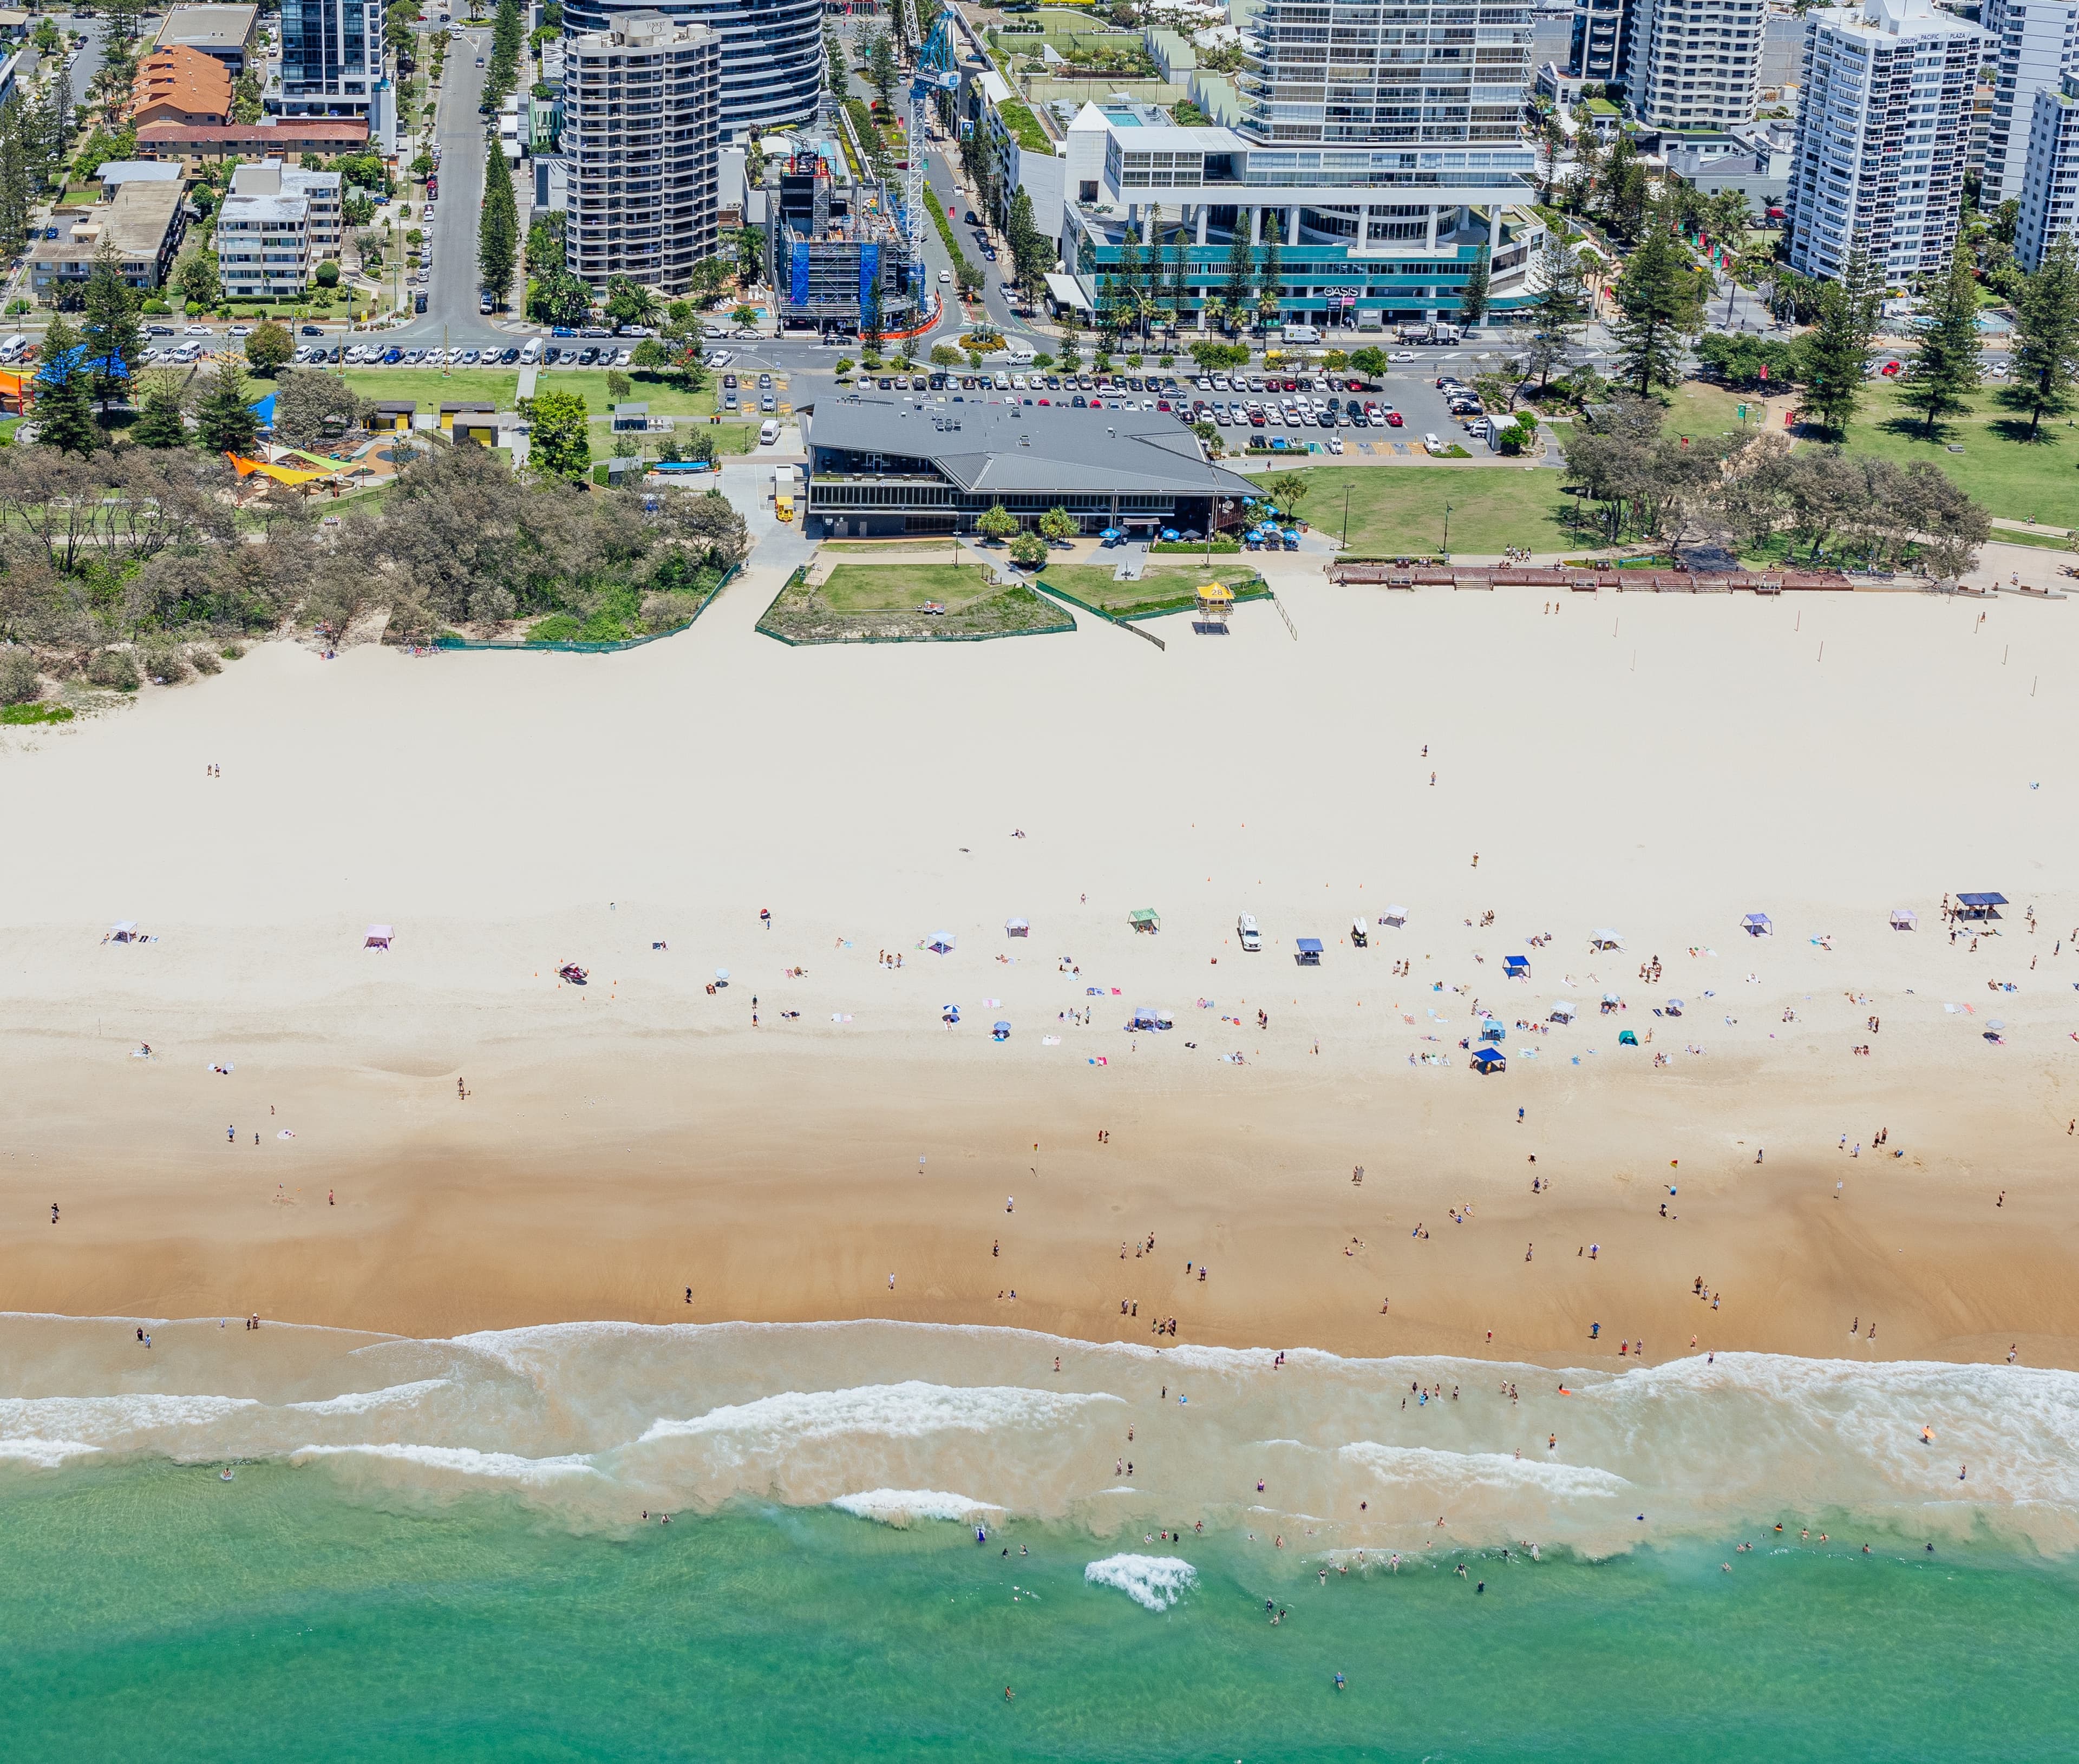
pixel 910 1410
pixel 44 1454
pixel 463 1461
pixel 900 1505
pixel 366 1402
pixel 1465 1472
pixel 1156 1582
pixel 117 1422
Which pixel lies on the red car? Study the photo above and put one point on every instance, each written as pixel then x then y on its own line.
pixel 1889 368
pixel 1393 420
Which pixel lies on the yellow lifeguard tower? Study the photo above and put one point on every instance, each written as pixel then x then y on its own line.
pixel 1215 602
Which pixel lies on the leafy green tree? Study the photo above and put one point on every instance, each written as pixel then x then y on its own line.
pixel 559 439
pixel 1944 370
pixel 114 338
pixel 2046 355
pixel 998 523
pixel 64 410
pixel 1370 362
pixel 497 227
pixel 160 422
pixel 630 303
pixel 1658 298
pixel 226 422
pixel 1058 524
pixel 196 278
pixel 269 347
pixel 1287 490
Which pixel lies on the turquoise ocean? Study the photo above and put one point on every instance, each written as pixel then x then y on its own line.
pixel 454 1549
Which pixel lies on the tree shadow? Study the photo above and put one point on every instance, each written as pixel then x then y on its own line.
pixel 2015 429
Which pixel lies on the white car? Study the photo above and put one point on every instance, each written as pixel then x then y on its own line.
pixel 719 358
pixel 196 330
pixel 945 275
pixel 1432 445
pixel 1334 444
pixel 240 330
pixel 622 357
pixel 454 358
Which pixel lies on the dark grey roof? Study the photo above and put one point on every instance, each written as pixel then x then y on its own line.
pixel 1005 448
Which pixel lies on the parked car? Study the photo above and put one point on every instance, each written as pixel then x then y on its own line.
pixel 309 330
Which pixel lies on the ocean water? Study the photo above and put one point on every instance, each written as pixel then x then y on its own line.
pixel 440 1549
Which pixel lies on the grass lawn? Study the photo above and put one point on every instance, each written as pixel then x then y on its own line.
pixel 868 547
pixel 431 389
pixel 1398 511
pixel 2016 536
pixel 2021 479
pixel 1157 591
pixel 1701 408
pixel 863 603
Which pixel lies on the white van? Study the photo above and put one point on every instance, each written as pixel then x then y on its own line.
pixel 530 352
pixel 1247 934
pixel 1020 349
pixel 1302 333
pixel 11 350
pixel 768 435
pixel 1001 380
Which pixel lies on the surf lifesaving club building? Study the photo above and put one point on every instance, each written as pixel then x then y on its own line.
pixel 882 467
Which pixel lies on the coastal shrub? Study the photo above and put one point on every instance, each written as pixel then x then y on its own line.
pixel 19 683
pixel 164 662
pixel 233 652
pixel 558 628
pixel 112 668
pixel 204 661
pixel 667 611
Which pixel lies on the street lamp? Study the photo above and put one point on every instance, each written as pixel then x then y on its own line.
pixel 1346 514
pixel 1447 533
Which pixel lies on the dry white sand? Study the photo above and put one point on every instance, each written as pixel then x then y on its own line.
pixel 1659 764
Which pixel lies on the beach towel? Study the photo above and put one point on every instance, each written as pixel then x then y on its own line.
pixel 1050 1041
pixel 1100 1060
pixel 286 1133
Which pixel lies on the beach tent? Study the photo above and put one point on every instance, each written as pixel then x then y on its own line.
pixel 943 943
pixel 1562 1012
pixel 1903 918
pixel 1606 938
pixel 1395 915
pixel 1489 1059
pixel 378 937
pixel 1310 951
pixel 1979 906
pixel 1017 927
pixel 1491 1030
pixel 1675 1007
pixel 1756 923
pixel 1149 1017
pixel 124 931
pixel 1516 967
pixel 1144 918
pixel 1627 1038
pixel 1001 1032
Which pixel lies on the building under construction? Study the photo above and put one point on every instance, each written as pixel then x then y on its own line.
pixel 835 256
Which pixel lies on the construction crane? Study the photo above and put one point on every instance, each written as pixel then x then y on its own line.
pixel 936 71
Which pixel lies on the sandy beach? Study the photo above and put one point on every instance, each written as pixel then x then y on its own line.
pixel 1658 765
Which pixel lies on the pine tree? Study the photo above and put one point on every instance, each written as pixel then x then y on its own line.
pixel 114 340
pixel 1944 370
pixel 1657 295
pixel 52 132
pixel 497 227
pixel 1270 299
pixel 1472 297
pixel 1836 351
pixel 2046 356
pixel 1126 285
pixel 14 156
pixel 159 423
pixel 227 424
pixel 64 412
pixel 1178 298
pixel 1558 310
pixel 1239 287
pixel 884 73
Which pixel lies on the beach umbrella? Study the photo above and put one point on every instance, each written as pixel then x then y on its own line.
pixel 1996 1024
pixel 721 973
